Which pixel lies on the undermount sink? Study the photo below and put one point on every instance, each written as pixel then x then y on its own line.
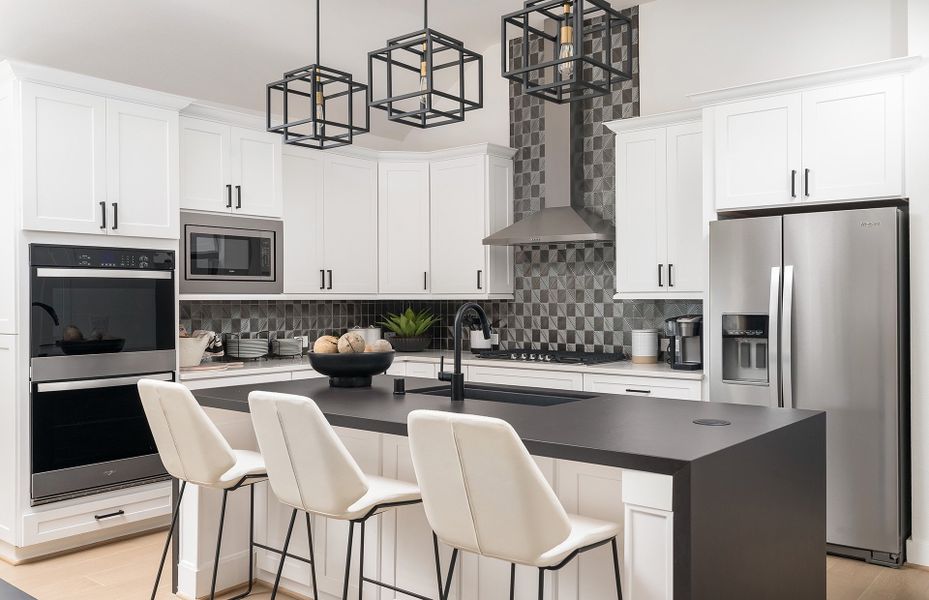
pixel 508 394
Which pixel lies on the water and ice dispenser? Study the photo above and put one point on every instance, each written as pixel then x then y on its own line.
pixel 745 348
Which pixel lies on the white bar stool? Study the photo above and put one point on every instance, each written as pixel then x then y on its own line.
pixel 483 493
pixel 193 450
pixel 310 470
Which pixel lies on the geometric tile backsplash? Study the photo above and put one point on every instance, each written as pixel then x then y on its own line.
pixel 563 293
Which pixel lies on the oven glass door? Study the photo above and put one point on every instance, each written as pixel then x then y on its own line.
pixel 89 434
pixel 233 254
pixel 99 311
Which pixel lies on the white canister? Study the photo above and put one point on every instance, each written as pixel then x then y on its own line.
pixel 645 346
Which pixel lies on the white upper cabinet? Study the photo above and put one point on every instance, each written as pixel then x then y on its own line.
pixel 256 173
pixel 659 209
pixel 758 152
pixel 471 197
pixel 206 180
pixel 230 169
pixel 826 144
pixel 403 227
pixel 304 271
pixel 349 225
pixel 142 170
pixel 64 160
pixel 853 141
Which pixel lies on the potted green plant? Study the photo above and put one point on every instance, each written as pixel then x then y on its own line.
pixel 409 331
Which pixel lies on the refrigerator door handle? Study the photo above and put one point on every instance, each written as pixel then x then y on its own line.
pixel 774 337
pixel 787 338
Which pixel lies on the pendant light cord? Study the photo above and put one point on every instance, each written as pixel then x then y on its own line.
pixel 425 14
pixel 317 32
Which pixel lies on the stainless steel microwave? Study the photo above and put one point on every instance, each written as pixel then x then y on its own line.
pixel 224 254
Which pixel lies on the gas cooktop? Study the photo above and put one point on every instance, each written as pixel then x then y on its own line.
pixel 552 356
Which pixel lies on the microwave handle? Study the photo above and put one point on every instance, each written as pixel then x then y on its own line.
pixel 88 384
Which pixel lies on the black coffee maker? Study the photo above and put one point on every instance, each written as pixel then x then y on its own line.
pixel 685 342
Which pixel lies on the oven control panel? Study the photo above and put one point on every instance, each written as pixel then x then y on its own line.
pixel 101 258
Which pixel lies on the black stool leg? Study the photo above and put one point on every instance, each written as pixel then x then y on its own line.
pixel 280 567
pixel 348 560
pixel 251 546
pixel 164 554
pixel 219 543
pixel 541 583
pixel 309 536
pixel 512 581
pixel 361 561
pixel 619 587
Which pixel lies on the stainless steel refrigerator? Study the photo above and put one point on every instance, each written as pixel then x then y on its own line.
pixel 810 311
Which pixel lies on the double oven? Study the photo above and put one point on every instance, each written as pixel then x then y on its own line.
pixel 101 319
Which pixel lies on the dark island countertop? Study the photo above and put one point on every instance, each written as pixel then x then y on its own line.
pixel 646 434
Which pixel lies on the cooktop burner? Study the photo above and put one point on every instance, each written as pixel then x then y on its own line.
pixel 552 356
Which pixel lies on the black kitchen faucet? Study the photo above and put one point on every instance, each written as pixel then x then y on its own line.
pixel 457 377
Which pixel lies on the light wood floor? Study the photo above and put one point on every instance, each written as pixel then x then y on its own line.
pixel 125 570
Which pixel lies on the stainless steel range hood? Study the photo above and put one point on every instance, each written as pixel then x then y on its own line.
pixel 559 221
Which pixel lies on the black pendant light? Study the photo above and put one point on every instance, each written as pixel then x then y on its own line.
pixel 573 58
pixel 317 105
pixel 425 78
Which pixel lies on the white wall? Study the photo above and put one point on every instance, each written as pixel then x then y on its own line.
pixel 689 46
pixel 917 187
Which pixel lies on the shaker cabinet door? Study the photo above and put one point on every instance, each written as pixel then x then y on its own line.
pixel 684 209
pixel 304 234
pixel 256 173
pixel 206 182
pixel 64 160
pixel 403 227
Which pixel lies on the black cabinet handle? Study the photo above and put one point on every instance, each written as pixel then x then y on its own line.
pixel 238 196
pixel 118 513
pixel 330 279
pixel 322 279
pixel 670 278
pixel 424 280
pixel 660 269
pixel 806 182
pixel 103 215
pixel 115 216
pixel 635 391
pixel 793 183
pixel 229 196
pixel 479 286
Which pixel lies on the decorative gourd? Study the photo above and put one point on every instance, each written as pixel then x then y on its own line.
pixel 327 344
pixel 351 342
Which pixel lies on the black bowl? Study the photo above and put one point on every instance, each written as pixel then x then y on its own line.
pixel 351 369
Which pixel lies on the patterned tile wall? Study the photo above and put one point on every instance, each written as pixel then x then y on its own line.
pixel 563 292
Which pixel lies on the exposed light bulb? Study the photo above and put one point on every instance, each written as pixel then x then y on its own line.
pixel 320 109
pixel 567 44
pixel 423 81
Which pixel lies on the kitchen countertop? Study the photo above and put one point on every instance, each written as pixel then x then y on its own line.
pixel 284 365
pixel 648 434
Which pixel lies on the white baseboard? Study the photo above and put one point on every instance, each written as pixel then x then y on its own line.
pixel 193 581
pixel 917 552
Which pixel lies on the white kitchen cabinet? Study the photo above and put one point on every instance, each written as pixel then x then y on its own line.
pixel 64 160
pixel 528 377
pixel 349 225
pixel 652 387
pixel 758 148
pixel 843 141
pixel 230 169
pixel 142 170
pixel 659 210
pixel 403 227
pixel 471 197
pixel 853 141
pixel 330 221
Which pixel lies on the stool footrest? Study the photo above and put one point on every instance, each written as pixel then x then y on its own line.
pixel 395 588
pixel 287 554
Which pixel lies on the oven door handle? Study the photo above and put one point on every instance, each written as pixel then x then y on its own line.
pixel 101 274
pixel 86 384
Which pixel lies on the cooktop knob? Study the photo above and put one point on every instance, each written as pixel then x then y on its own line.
pixel 513 355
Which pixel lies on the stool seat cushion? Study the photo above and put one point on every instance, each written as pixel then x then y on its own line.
pixel 247 463
pixel 584 532
pixel 381 490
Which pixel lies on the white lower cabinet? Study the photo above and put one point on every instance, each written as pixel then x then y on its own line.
pixel 654 387
pixel 557 380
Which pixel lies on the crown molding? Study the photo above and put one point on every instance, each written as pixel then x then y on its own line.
pixel 24 71
pixel 654 121
pixel 872 70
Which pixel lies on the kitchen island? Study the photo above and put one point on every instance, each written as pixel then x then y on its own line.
pixel 710 511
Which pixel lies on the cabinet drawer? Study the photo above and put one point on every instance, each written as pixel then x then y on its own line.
pixel 556 380
pixel 96 515
pixel 656 387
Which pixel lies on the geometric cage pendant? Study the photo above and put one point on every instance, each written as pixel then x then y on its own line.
pixel 570 50
pixel 427 81
pixel 318 105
